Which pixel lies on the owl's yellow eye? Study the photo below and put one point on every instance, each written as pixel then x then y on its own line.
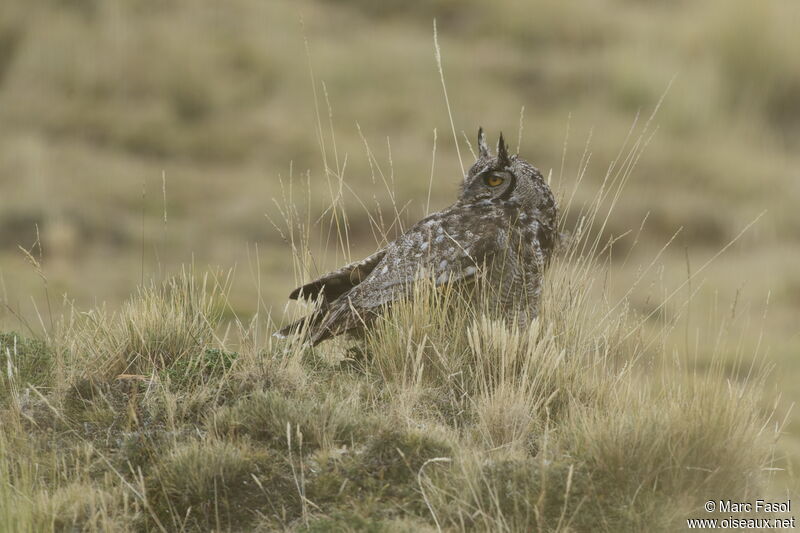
pixel 493 180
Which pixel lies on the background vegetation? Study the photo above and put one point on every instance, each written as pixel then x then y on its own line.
pixel 137 136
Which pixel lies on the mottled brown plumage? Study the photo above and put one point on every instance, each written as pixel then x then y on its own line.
pixel 501 232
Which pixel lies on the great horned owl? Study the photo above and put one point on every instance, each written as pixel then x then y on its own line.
pixel 501 231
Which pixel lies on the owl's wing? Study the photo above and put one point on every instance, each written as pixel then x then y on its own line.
pixel 447 257
pixel 340 281
pixel 401 268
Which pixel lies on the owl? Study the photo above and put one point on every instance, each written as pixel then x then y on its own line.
pixel 501 231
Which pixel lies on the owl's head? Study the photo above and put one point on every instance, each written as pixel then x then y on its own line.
pixel 506 179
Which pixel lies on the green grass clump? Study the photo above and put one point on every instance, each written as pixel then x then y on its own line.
pixel 24 362
pixel 380 478
pixel 208 364
pixel 204 485
pixel 264 417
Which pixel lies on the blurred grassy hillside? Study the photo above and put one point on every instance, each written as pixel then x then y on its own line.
pixel 139 135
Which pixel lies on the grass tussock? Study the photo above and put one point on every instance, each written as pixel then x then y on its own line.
pixel 263 417
pixel 164 327
pixel 206 485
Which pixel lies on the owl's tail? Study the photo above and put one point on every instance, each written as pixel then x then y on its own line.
pixel 314 328
pixel 325 323
pixel 306 326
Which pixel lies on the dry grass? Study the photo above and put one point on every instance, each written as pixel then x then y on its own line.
pixel 160 327
pixel 442 417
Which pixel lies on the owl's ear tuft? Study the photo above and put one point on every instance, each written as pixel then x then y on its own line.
pixel 483 147
pixel 502 152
